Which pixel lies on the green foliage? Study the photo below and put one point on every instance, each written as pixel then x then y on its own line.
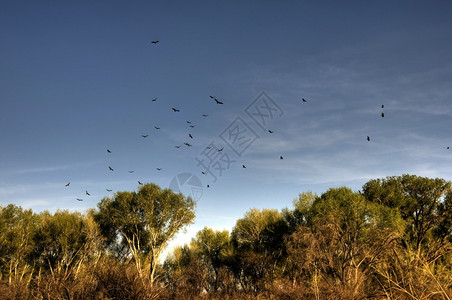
pixel 423 202
pixel 145 221
pixel 16 244
pixel 258 238
pixel 63 238
pixel 343 240
pixel 301 210
pixel 211 246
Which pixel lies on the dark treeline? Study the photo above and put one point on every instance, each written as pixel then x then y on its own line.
pixel 392 240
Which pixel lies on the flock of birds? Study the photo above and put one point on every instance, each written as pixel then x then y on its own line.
pixel 176 110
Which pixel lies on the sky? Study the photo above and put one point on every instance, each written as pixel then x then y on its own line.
pixel 78 78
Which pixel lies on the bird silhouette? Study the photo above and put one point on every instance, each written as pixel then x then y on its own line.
pixel 304 100
pixel 243 166
pixel 204 173
pixel 67 184
pixel 86 192
pixel 187 144
pixel 448 148
pixel 382 106
pixel 78 199
pixel 108 151
pixel 140 183
pixel 280 157
pixel 208 147
pixel 175 109
pixel 111 169
pixel 219 150
pixel 158 169
pixel 190 135
pixel 109 190
pixel 145 135
pixel 270 131
pixel 204 115
pixel 382 115
pixel 131 171
pixel 188 122
pixel 177 147
pixel 218 102
pixel 368 138
pixel 155 42
pixel 157 127
pixel 208 186
pixel 155 99
pixel 192 126
pixel 212 97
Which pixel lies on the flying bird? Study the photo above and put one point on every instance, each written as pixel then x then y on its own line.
pixel 177 147
pixel 155 99
pixel 188 122
pixel 208 147
pixel 187 144
pixel 212 97
pixel 243 166
pixel 204 115
pixel 140 183
pixel 219 150
pixel 131 171
pixel 157 127
pixel 108 151
pixel 86 192
pixel 111 169
pixel 304 100
pixel 270 131
pixel 145 136
pixel 67 184
pixel 155 42
pixel 208 186
pixel 190 135
pixel 192 126
pixel 202 172
pixel 448 148
pixel 368 138
pixel 382 115
pixel 158 169
pixel 280 157
pixel 175 109
pixel 78 199
pixel 218 102
pixel 109 190
pixel 382 106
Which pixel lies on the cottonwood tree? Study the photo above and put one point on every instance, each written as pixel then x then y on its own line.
pixel 426 204
pixel 258 239
pixel 343 240
pixel 64 241
pixel 212 247
pixel 16 243
pixel 145 221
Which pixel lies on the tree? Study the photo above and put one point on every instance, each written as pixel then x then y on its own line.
pixel 424 203
pixel 211 246
pixel 145 221
pixel 16 244
pixel 64 240
pixel 258 238
pixel 300 213
pixel 343 240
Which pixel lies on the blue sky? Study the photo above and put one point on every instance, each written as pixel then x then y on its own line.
pixel 77 78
